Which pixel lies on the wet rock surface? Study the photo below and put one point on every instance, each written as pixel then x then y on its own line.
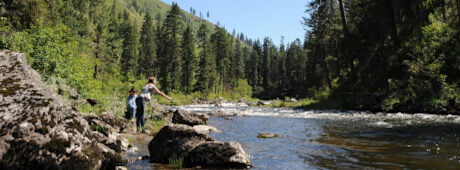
pixel 39 131
pixel 185 117
pixel 191 142
pixel 267 135
pixel 175 140
pixel 206 129
pixel 216 154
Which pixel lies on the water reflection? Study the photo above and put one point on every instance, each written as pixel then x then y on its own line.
pixel 411 146
pixel 333 139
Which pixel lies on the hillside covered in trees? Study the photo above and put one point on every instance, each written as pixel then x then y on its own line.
pixel 104 47
pixel 358 54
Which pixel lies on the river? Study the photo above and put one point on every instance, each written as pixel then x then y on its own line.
pixel 311 139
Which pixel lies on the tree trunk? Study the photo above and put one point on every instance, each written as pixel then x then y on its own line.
pixel 444 16
pixel 344 17
pixel 458 10
pixel 95 72
pixel 395 6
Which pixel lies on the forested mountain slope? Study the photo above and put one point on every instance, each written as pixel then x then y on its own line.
pixel 103 47
pixel 358 54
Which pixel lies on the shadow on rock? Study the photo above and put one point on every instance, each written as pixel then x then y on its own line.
pixel 39 131
pixel 188 140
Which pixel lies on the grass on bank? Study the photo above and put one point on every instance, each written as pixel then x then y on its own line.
pixel 307 103
pixel 176 162
pixel 185 99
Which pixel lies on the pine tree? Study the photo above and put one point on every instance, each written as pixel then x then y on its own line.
pixel 112 63
pixel 206 78
pixel 190 61
pixel 266 62
pixel 253 66
pixel 282 71
pixel 221 49
pixel 171 60
pixel 25 13
pixel 238 62
pixel 129 58
pixel 148 56
pixel 159 45
pixel 295 63
pixel 102 35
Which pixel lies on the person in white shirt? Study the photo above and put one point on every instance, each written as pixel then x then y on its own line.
pixel 146 95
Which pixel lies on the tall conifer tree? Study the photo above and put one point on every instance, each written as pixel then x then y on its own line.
pixel 148 56
pixel 130 54
pixel 171 70
pixel 190 61
pixel 206 78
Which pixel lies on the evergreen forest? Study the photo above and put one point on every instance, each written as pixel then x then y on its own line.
pixel 378 55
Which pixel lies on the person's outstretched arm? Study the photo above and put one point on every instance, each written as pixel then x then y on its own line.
pixel 155 89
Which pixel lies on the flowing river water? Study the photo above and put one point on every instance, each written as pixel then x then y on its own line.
pixel 310 139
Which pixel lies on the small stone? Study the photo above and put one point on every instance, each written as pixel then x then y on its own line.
pixel 121 168
pixel 267 135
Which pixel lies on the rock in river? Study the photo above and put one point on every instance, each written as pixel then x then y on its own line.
pixel 196 148
pixel 216 154
pixel 175 140
pixel 185 117
pixel 267 135
pixel 39 131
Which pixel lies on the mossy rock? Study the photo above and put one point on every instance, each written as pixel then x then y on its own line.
pixel 267 135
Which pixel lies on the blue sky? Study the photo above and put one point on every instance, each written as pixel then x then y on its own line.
pixel 255 18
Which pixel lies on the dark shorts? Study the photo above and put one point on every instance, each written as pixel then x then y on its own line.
pixel 130 113
pixel 140 102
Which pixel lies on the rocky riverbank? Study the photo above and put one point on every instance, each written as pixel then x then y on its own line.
pixel 39 131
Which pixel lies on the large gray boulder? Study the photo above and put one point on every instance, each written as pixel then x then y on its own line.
pixel 175 141
pixel 39 131
pixel 184 117
pixel 196 148
pixel 106 130
pixel 216 154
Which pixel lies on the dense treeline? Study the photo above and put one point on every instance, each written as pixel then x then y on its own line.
pixel 369 54
pixel 363 54
pixel 105 46
pixel 388 54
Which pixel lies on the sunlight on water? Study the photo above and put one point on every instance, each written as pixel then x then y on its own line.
pixel 377 119
pixel 312 139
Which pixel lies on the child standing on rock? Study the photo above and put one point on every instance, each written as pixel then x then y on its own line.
pixel 145 96
pixel 131 104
